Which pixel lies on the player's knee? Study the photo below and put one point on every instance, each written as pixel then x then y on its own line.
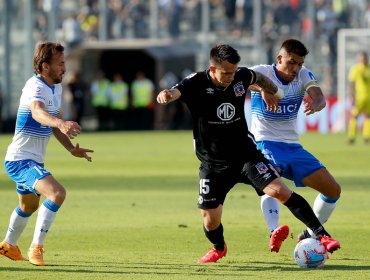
pixel 59 196
pixel 278 190
pixel 335 191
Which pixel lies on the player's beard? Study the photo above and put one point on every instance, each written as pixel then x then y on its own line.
pixel 57 78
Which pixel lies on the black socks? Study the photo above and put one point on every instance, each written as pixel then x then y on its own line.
pixel 303 211
pixel 216 237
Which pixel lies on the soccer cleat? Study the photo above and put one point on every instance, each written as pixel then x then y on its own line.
pixel 329 243
pixel 36 255
pixel 303 235
pixel 277 237
pixel 10 251
pixel 213 255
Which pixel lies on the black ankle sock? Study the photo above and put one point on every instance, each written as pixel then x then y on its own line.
pixel 303 211
pixel 216 237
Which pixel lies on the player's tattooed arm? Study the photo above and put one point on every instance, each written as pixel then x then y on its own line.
pixel 265 83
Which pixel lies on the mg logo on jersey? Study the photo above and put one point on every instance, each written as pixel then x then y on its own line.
pixel 226 111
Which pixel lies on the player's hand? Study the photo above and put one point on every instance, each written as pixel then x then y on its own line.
pixel 271 101
pixel 308 106
pixel 81 152
pixel 164 96
pixel 69 128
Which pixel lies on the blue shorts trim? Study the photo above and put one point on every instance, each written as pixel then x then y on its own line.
pixel 26 174
pixel 293 160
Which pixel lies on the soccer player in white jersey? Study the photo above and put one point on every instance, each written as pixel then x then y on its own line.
pixel 37 119
pixel 274 127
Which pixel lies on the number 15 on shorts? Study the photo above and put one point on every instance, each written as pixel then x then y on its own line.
pixel 203 186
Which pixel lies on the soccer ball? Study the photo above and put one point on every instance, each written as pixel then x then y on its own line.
pixel 310 253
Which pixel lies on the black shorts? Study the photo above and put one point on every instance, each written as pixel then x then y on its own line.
pixel 216 182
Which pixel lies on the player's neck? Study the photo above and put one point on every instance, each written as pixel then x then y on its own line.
pixel 47 80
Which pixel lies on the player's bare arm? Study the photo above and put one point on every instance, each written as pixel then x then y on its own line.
pixel 39 114
pixel 271 99
pixel 316 102
pixel 168 95
pixel 76 151
pixel 265 83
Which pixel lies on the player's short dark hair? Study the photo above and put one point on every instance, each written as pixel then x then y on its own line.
pixel 295 46
pixel 224 52
pixel 363 53
pixel 44 52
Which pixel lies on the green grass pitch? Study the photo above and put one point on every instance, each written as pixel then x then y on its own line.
pixel 132 214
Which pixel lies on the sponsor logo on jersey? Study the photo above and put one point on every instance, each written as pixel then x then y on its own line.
pixel 261 168
pixel 239 89
pixel 289 108
pixel 210 91
pixel 200 200
pixel 226 111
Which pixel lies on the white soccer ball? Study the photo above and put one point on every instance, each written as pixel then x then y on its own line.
pixel 310 253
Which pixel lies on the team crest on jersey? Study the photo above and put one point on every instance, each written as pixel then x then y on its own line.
pixel 239 89
pixel 261 168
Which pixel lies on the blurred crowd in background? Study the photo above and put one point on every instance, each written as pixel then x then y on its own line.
pixel 77 22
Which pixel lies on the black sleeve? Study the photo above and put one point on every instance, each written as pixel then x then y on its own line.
pixel 187 86
pixel 247 75
pixel 253 77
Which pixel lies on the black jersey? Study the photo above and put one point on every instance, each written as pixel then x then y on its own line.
pixel 219 125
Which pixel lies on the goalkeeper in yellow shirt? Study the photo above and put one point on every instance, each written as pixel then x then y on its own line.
pixel 359 78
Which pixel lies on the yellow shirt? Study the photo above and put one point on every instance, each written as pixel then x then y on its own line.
pixel 360 75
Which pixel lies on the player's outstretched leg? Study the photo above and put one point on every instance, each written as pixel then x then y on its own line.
pixel 213 255
pixel 277 238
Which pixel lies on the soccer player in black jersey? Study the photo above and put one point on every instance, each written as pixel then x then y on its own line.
pixel 226 149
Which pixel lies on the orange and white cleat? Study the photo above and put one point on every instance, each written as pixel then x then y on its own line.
pixel 36 255
pixel 277 237
pixel 213 255
pixel 11 251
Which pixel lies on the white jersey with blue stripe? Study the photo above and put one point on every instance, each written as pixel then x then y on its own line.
pixel 30 137
pixel 280 126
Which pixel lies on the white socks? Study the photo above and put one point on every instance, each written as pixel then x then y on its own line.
pixel 322 211
pixel 270 209
pixel 45 218
pixel 17 224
